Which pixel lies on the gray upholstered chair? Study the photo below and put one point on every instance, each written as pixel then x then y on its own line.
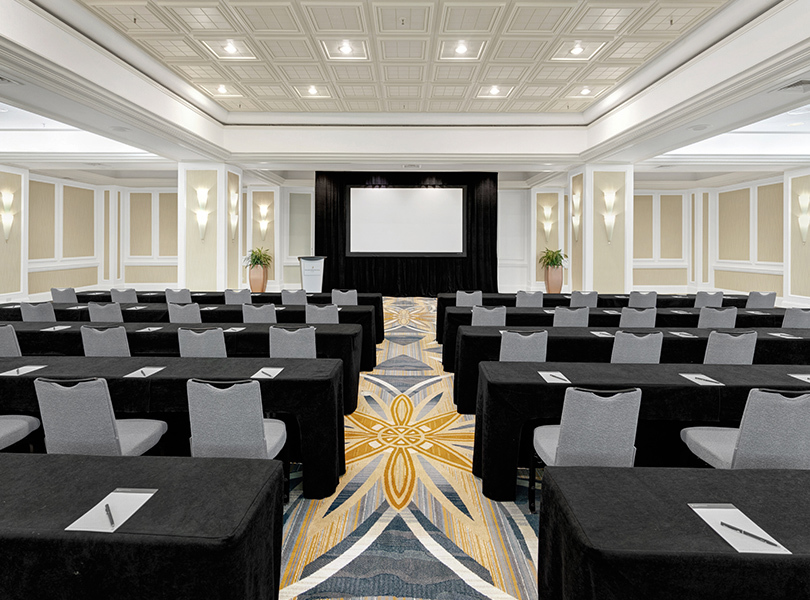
pixel 105 341
pixel 238 296
pixel 105 313
pixel 638 348
pixel 292 343
pixel 78 418
pixel 523 347
pixel 730 348
pixel 344 297
pixel 181 296
pixel 761 300
pixel 184 313
pixel 14 428
pixel 322 314
pixel 774 434
pixel 638 317
pixel 38 312
pixel 201 343
pixel 126 296
pixel 475 298
pixel 571 317
pixel 529 299
pixel 293 297
pixel 717 317
pixel 712 299
pixel 597 429
pixel 796 318
pixel 259 313
pixel 495 315
pixel 66 295
pixel 9 346
pixel 578 298
pixel 643 300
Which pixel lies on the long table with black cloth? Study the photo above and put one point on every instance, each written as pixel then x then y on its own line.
pixel 363 299
pixel 212 530
pixel 446 300
pixel 582 344
pixel 629 534
pixel 218 313
pixel 514 397
pixel 307 394
pixel 332 341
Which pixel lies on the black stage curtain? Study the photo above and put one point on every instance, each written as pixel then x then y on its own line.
pixel 408 276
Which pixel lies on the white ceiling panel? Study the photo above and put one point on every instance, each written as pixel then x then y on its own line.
pixel 470 18
pixel 289 49
pixel 202 18
pixel 333 17
pixel 413 50
pixel 270 18
pixel 411 17
pixel 538 17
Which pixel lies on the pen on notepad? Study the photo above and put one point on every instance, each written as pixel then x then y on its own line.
pixel 748 533
pixel 142 372
pixel 109 515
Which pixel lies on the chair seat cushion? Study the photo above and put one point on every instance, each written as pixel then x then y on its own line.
pixel 275 435
pixel 13 428
pixel 714 445
pixel 546 439
pixel 139 435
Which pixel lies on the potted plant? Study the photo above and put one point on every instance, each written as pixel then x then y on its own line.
pixel 553 262
pixel 257 261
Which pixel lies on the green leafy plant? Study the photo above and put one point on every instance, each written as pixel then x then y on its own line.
pixel 552 258
pixel 258 257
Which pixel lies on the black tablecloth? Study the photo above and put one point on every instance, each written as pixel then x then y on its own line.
pixel 307 394
pixel 629 534
pixel 217 314
pixel 580 344
pixel 212 530
pixel 332 341
pixel 512 395
pixel 367 299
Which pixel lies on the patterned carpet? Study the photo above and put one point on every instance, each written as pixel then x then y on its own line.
pixel 408 519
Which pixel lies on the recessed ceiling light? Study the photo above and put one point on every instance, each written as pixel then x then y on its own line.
pixel 2 110
pixel 494 90
pixel 577 49
pixel 461 48
pixel 345 48
pixel 585 91
pixel 222 89
pixel 230 48
pixel 312 90
pixel 796 124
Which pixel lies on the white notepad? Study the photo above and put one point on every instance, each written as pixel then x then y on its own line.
pixel 683 334
pixel 800 376
pixel 150 294
pixel 209 308
pixel 735 520
pixel 681 312
pixel 234 329
pixel 602 333
pixel 700 379
pixel 553 377
pixel 145 372
pixel 755 312
pixel 280 307
pixel 135 308
pixel 76 308
pixel 267 373
pixel 119 505
pixel 13 306
pixel 612 312
pixel 94 293
pixel 548 311
pixel 22 370
pixel 786 336
pixel 56 328
pixel 149 329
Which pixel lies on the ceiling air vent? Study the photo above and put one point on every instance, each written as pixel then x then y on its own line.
pixel 802 86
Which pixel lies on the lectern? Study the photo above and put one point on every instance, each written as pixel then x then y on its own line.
pixel 311 273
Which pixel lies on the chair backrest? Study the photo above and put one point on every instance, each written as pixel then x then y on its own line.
pixel 293 297
pixel 238 296
pixel 259 313
pixel 495 315
pixel 292 343
pixel 181 296
pixel 774 432
pixel 38 312
pixel 322 314
pixel 105 341
pixel 579 298
pixel 344 297
pixel 77 417
pixel 571 317
pixel 643 300
pixel 796 318
pixel 519 347
pixel 9 346
pixel 717 317
pixel 638 317
pixel 475 298
pixel 226 419
pixel 184 313
pixel 761 300
pixel 105 313
pixel 713 299
pixel 67 295
pixel 598 428
pixel 638 348
pixel 201 343
pixel 730 348
pixel 128 295
pixel 529 299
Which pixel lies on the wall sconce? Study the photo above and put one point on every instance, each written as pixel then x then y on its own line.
pixel 804 217
pixel 610 217
pixel 263 227
pixel 8 216
pixel 547 223
pixel 234 223
pixel 263 210
pixel 234 200
pixel 575 223
pixel 202 214
pixel 575 198
pixel 610 200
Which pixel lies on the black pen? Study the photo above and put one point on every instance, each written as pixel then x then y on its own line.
pixel 109 515
pixel 748 533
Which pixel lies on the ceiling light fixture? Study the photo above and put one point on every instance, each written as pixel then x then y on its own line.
pixel 312 90
pixel 345 48
pixel 222 89
pixel 494 90
pixel 796 124
pixel 585 91
pixel 461 48
pixel 577 49
pixel 229 47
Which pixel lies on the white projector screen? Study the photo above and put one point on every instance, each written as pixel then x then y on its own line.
pixel 415 221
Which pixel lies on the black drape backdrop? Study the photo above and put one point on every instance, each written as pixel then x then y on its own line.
pixel 408 276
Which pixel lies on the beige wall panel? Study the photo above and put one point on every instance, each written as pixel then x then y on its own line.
pixel 671 226
pixel 799 252
pixel 117 202
pixel 11 248
pixel 734 225
pixel 243 221
pixel 706 237
pixel 692 234
pixel 167 224
pixel 43 281
pixel 649 277
pixel 300 224
pixel 232 275
pixel 157 274
pixel 292 274
pixel 201 255
pixel 564 225
pixel 748 282
pixel 106 249
pixel 553 241
pixel 78 220
pixel 140 224
pixel 577 187
pixel 41 220
pixel 770 225
pixel 269 242
pixel 642 226
pixel 608 258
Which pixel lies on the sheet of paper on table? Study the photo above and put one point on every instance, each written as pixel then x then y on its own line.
pixel 700 379
pixel 602 333
pixel 149 329
pixel 683 334
pixel 122 503
pixel 135 308
pixel 755 312
pixel 786 336
pixel 56 328
pixel 548 311
pixel 209 308
pixel 714 514
pixel 612 312
pixel 145 372
pixel 76 307
pixel 22 370
pixel 234 329
pixel 800 376
pixel 267 373
pixel 553 377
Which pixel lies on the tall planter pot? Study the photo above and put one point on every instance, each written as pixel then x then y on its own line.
pixel 257 276
pixel 553 277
